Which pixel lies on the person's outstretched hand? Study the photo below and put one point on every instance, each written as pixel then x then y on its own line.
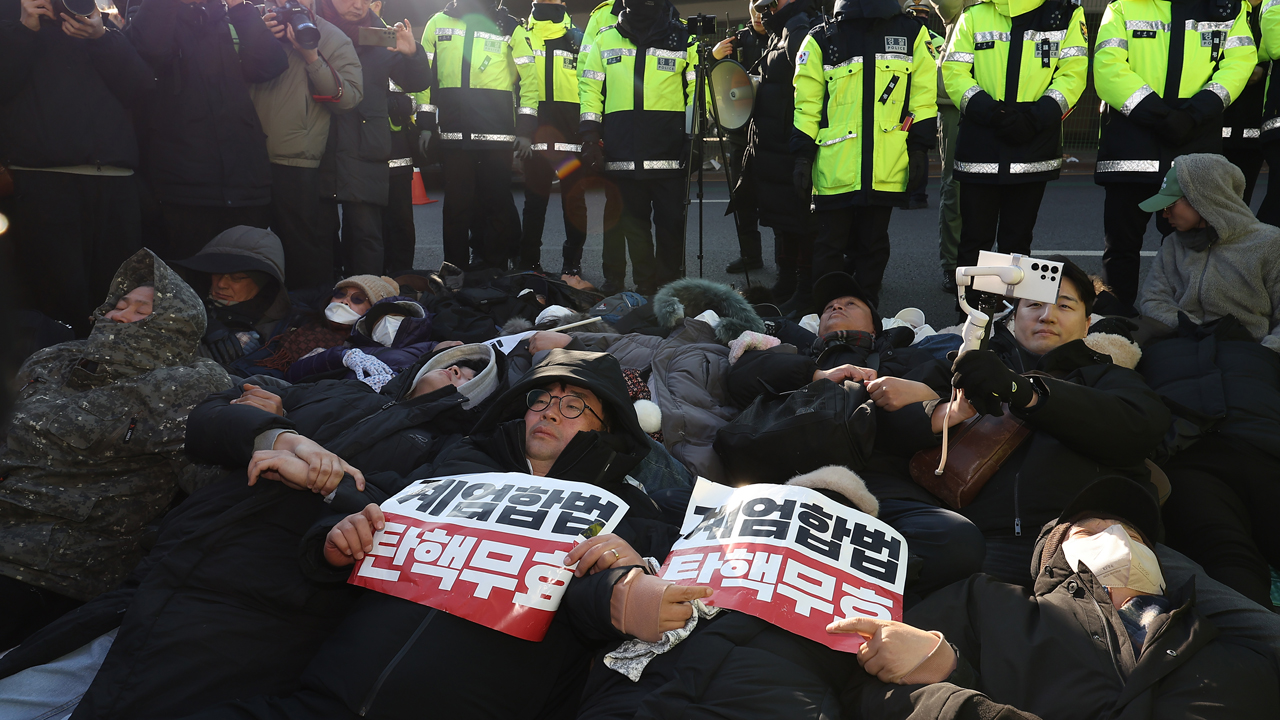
pixel 898 653
pixel 352 537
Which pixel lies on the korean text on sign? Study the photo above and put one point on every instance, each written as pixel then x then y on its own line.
pixel 488 547
pixel 790 556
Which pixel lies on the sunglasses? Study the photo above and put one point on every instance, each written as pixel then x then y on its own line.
pixel 357 297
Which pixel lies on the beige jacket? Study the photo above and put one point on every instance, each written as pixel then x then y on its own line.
pixel 297 126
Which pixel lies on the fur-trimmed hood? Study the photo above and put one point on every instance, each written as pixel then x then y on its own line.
pixel 843 481
pixel 690 297
pixel 1122 351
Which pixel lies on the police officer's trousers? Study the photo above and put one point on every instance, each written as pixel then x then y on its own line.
pixel 478 179
pixel 1000 214
pixel 662 200
pixel 1124 224
pixel 539 173
pixel 860 234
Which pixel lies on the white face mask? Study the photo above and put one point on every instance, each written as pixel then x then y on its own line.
pixel 384 332
pixel 1117 560
pixel 341 314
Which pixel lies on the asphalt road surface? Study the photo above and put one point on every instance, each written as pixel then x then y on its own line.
pixel 1070 223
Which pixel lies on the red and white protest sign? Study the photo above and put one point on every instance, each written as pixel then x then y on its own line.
pixel 790 556
pixel 488 547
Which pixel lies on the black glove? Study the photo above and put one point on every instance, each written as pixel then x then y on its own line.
pixel 592 152
pixel 802 177
pixel 987 382
pixel 1176 128
pixel 984 109
pixel 1018 127
pixel 1045 114
pixel 917 168
pixel 221 346
pixel 400 109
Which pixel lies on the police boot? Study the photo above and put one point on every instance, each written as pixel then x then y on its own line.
pixel 784 256
pixel 802 298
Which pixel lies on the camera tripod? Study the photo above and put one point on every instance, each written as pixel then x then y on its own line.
pixel 702 81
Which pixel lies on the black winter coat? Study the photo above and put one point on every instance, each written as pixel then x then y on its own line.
pixel 410 653
pixel 769 135
pixel 899 434
pixel 1062 653
pixel 1235 384
pixel 354 166
pixel 67 102
pixel 1098 419
pixel 731 666
pixel 204 144
pixel 223 580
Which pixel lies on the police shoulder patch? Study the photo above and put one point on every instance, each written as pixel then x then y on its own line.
pixel 1084 30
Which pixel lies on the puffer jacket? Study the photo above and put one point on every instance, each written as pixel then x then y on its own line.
pixel 689 382
pixel 1233 384
pixel 1098 418
pixel 1238 274
pixel 1060 651
pixel 412 341
pixel 95 447
pixel 769 135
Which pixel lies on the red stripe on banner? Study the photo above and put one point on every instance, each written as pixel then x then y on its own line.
pixel 784 587
pixel 507 582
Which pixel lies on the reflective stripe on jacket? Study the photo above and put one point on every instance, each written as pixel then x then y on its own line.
pixel 637 107
pixel 1041 53
pixel 838 101
pixel 1139 73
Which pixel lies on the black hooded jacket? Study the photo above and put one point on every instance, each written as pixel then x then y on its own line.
pixel 1060 651
pixel 223 580
pixel 769 134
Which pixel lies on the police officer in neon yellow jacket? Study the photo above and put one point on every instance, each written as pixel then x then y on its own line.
pixel 1014 68
pixel 866 103
pixel 1165 71
pixel 637 81
pixel 545 49
pixel 474 100
pixel 613 251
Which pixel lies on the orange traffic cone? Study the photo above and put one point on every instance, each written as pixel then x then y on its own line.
pixel 419 191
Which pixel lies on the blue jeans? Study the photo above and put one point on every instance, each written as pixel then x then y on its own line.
pixel 53 690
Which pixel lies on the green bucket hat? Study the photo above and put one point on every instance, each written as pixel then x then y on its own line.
pixel 1169 193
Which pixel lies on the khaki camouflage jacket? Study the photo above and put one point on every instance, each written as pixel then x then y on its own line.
pixel 95 447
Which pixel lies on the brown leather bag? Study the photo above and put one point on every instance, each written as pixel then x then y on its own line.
pixel 977 448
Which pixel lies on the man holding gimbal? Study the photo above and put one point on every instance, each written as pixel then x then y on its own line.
pixel 67 85
pixel 323 77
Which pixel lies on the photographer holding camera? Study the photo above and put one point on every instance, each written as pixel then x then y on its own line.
pixel 206 156
pixel 324 77
pixel 354 169
pixel 67 88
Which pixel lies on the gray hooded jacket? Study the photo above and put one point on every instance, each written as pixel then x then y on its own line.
pixel 95 449
pixel 1237 274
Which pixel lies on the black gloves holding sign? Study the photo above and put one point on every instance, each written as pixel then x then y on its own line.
pixel 987 382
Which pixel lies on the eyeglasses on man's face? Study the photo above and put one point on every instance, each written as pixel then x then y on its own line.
pixel 570 406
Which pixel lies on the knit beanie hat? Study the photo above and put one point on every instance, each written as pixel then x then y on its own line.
pixel 377 288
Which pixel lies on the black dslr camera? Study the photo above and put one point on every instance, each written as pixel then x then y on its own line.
pixel 305 31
